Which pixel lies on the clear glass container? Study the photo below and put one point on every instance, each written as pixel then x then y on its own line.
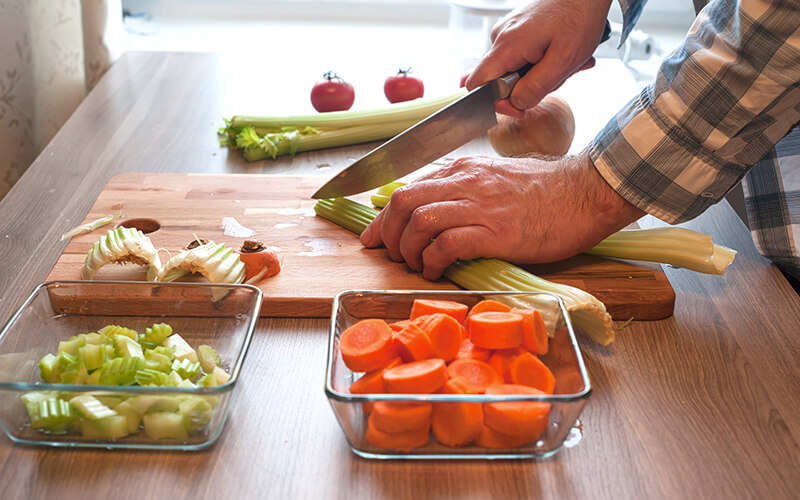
pixel 563 359
pixel 222 316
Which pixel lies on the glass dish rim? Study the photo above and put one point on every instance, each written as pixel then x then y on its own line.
pixel 220 389
pixel 332 393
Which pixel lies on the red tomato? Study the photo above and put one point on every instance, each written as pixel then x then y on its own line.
pixel 402 87
pixel 332 94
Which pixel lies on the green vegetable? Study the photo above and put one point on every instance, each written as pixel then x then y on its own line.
pixel 90 407
pixel 215 261
pixel 384 193
pixel 111 331
pixel 51 414
pixel 185 368
pixel 127 347
pixel 181 348
pixel 165 425
pixel 72 345
pixel 269 137
pixel 91 226
pixel 120 246
pixel 209 358
pixel 112 427
pixel 120 371
pixel 148 376
pixel 157 333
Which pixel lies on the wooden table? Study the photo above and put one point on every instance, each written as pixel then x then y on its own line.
pixel 702 405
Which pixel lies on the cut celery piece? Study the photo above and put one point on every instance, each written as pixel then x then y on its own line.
pixel 53 415
pixel 146 344
pixel 196 413
pixel 158 333
pixel 33 397
pixel 165 425
pixel 92 356
pixel 181 348
pixel 175 377
pixel 111 331
pixel 148 403
pixel 96 339
pixel 166 351
pixel 89 407
pixel 185 368
pixel 158 361
pixel 148 376
pixel 76 374
pixel 133 418
pixel 209 358
pixel 220 375
pixel 94 377
pixel 72 345
pixel 188 384
pixel 120 371
pixel 126 347
pixel 113 427
pixel 48 367
pixel 65 361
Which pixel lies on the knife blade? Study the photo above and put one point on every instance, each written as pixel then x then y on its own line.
pixel 452 126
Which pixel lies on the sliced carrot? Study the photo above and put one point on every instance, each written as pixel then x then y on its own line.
pixel 256 257
pixel 514 418
pixel 457 424
pixel 495 330
pixel 464 332
pixel 445 334
pixel 468 350
pixel 418 377
pixel 413 343
pixel 501 360
pixel 477 374
pixel 399 325
pixel 401 441
pixel 527 369
pixel 372 382
pixel 421 307
pixel 534 332
pixel 394 417
pixel 486 306
pixel 367 345
pixel 490 438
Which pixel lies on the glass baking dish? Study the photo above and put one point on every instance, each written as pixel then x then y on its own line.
pixel 563 358
pixel 222 316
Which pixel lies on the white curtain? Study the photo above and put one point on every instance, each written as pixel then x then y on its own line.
pixel 52 52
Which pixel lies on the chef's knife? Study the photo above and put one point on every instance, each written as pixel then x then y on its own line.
pixel 452 126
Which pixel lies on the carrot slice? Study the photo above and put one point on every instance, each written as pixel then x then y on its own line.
pixel 445 334
pixel 457 424
pixel 477 374
pixel 367 345
pixel 527 369
pixel 401 441
pixel 488 305
pixel 534 332
pixel 395 417
pixel 399 325
pixel 524 419
pixel 413 343
pixel 468 350
pixel 256 257
pixel 495 330
pixel 490 438
pixel 501 360
pixel 372 382
pixel 418 377
pixel 422 307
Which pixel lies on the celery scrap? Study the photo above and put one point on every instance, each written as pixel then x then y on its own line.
pixel 91 226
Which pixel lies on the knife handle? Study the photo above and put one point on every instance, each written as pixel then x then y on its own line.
pixel 511 79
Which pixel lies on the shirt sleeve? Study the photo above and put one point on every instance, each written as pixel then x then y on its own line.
pixel 719 103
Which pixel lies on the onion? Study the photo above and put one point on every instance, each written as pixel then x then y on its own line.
pixel 547 129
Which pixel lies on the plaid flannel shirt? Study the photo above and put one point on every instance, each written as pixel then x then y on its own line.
pixel 722 109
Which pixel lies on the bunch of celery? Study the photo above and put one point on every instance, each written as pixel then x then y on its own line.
pixel 261 137
pixel 687 249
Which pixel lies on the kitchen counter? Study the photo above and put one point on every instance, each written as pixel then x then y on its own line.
pixel 703 404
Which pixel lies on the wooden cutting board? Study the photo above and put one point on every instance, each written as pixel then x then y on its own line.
pixel 318 258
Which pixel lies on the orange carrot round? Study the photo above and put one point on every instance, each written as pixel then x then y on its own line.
pixel 367 345
pixel 477 374
pixel 523 419
pixel 394 417
pixel 468 350
pixel 256 257
pixel 490 438
pixel 413 343
pixel 456 424
pixel 401 441
pixel 495 330
pixel 527 369
pixel 399 325
pixel 501 360
pixel 445 334
pixel 421 307
pixel 372 382
pixel 418 377
pixel 486 305
pixel 534 332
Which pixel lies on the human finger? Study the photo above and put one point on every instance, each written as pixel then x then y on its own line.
pixel 425 224
pixel 467 242
pixel 371 236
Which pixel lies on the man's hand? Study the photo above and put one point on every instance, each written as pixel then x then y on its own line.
pixel 524 210
pixel 557 36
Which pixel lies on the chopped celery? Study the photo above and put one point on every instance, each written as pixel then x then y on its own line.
pixel 126 347
pixel 53 415
pixel 72 345
pixel 157 333
pixel 196 413
pixel 47 368
pixel 89 407
pixel 166 351
pixel 209 358
pixel 185 368
pixel 111 330
pixel 120 371
pixel 133 418
pixel 148 376
pixel 181 348
pixel 92 356
pixel 158 361
pixel 75 374
pixel 148 403
pixel 165 425
pixel 96 339
pixel 112 427
pixel 220 375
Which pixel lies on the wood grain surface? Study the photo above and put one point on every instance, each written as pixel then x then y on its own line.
pixel 318 258
pixel 702 405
